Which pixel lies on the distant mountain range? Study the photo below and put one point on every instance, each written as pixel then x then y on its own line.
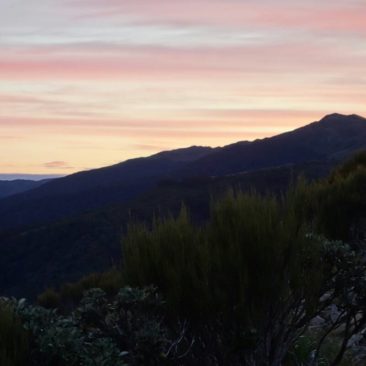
pixel 331 139
pixel 92 189
pixel 12 187
pixel 71 226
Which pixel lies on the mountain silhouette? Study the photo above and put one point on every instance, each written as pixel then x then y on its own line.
pixel 12 187
pixel 331 139
pixel 92 189
pixel 73 225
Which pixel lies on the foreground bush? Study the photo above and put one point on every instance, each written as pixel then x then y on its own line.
pixel 68 296
pixel 127 329
pixel 254 286
pixel 337 204
pixel 250 282
pixel 14 340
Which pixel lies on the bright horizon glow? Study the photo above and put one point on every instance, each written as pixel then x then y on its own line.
pixel 89 83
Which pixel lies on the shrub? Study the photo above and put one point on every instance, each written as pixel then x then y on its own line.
pixel 69 295
pixel 250 281
pixel 337 205
pixel 14 340
pixel 126 329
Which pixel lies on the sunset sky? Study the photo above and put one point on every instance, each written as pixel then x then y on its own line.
pixel 88 83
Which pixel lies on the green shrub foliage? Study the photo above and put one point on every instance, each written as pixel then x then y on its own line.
pixel 126 329
pixel 69 295
pixel 14 340
pixel 337 205
pixel 267 281
pixel 250 281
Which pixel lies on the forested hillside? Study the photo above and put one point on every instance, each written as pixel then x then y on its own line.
pixel 74 247
pixel 71 226
pixel 266 279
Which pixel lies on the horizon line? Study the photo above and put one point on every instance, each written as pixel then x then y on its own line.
pixel 40 176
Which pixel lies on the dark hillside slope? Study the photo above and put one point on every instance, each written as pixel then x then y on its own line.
pixel 65 242
pixel 333 138
pixel 49 255
pixel 93 189
pixel 12 187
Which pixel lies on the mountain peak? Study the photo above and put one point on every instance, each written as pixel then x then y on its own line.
pixel 338 117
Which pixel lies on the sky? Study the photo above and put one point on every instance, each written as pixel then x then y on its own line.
pixel 89 83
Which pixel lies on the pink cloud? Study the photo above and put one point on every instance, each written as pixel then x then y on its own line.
pixel 91 80
pixel 336 16
pixel 190 119
pixel 57 165
pixel 315 18
pixel 134 63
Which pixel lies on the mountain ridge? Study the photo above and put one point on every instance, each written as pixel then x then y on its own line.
pixel 16 186
pixel 332 138
pixel 42 253
pixel 280 147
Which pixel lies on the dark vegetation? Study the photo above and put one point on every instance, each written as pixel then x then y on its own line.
pixel 271 273
pixel 267 280
pixel 91 243
pixel 74 224
pixel 330 140
pixel 14 339
pixel 87 190
pixel 255 277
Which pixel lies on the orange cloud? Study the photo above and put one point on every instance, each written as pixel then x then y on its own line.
pixel 57 165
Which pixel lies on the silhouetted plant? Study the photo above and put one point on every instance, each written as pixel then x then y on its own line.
pixel 125 329
pixel 337 205
pixel 251 281
pixel 69 295
pixel 14 340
